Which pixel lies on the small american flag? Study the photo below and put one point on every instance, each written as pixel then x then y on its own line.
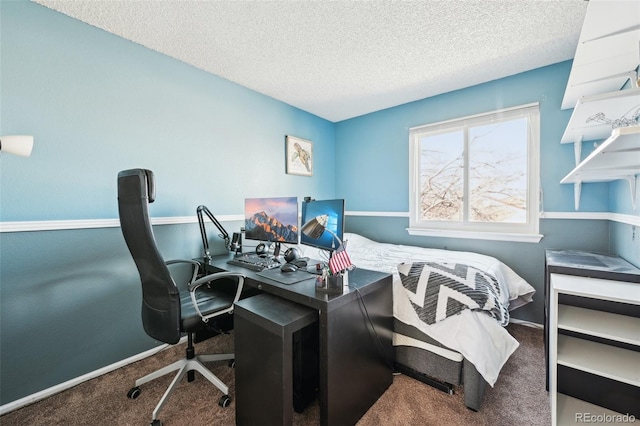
pixel 340 260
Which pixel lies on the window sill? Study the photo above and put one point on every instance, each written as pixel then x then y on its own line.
pixel 493 236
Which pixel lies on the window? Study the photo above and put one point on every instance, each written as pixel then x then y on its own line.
pixel 477 177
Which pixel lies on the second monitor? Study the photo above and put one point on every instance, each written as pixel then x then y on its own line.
pixel 322 224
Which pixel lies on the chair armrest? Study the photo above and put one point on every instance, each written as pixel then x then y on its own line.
pixel 196 266
pixel 193 286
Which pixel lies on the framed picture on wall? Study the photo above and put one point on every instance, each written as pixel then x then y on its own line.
pixel 299 154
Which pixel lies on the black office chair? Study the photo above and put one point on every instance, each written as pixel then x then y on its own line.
pixel 167 312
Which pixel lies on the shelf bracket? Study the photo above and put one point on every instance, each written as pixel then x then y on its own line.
pixel 577 187
pixel 577 150
pixel 633 183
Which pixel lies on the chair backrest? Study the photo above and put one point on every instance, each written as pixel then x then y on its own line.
pixel 160 295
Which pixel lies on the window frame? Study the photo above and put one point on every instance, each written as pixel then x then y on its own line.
pixel 524 232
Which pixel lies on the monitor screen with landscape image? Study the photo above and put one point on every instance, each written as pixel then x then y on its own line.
pixel 271 219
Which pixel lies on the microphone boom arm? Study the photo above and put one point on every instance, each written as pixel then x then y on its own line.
pixel 203 233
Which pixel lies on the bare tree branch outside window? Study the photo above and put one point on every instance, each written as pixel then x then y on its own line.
pixel 496 176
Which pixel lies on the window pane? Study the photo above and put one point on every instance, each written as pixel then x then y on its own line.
pixel 498 172
pixel 442 177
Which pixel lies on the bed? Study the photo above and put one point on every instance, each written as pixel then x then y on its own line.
pixel 453 340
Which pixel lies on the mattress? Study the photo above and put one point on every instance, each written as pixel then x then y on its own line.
pixel 471 334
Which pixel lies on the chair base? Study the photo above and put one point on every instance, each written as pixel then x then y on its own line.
pixel 184 366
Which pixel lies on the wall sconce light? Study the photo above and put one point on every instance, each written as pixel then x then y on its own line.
pixel 18 144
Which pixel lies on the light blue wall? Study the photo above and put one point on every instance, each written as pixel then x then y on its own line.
pixel 98 104
pixel 620 198
pixel 625 239
pixel 373 150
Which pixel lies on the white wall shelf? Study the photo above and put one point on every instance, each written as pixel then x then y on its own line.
pixel 617 158
pixel 613 105
pixel 607 52
pixel 606 61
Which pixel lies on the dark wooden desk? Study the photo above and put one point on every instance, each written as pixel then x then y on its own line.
pixel 355 363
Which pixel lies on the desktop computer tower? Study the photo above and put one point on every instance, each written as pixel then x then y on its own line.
pixel 305 366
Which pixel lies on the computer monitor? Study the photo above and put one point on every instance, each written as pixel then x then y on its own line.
pixel 271 219
pixel 322 223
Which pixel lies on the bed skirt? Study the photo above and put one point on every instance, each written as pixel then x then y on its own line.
pixel 421 357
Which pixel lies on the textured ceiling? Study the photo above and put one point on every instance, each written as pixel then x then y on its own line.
pixel 341 59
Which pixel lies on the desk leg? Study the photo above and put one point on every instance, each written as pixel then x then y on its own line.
pixel 355 369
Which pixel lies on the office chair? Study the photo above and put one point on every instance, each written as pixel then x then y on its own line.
pixel 168 312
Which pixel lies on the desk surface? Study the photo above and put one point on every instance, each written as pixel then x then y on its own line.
pixel 304 292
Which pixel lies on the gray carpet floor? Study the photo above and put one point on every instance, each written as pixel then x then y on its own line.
pixel 518 398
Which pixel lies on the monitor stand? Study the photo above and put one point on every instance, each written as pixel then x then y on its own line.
pixel 276 251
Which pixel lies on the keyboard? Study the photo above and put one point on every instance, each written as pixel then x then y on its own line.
pixel 254 262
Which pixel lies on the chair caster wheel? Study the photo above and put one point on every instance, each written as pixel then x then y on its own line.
pixel 156 422
pixel 134 392
pixel 232 363
pixel 225 400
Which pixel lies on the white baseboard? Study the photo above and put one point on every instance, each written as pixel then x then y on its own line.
pixel 30 399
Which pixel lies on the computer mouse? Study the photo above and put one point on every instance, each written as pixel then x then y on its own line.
pixel 300 262
pixel 288 267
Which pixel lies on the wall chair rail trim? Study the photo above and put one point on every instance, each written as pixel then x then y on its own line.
pixel 56 225
pixel 628 219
